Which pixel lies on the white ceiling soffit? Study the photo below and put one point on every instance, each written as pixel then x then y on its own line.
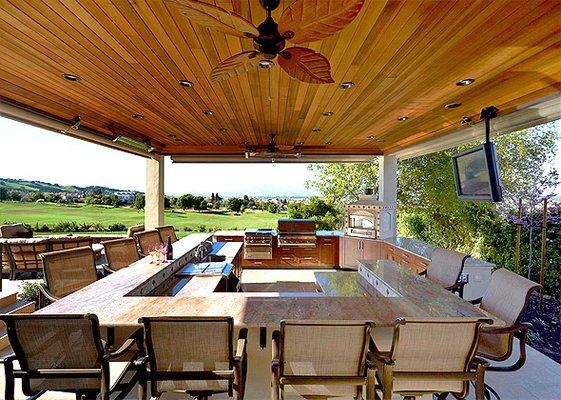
pixel 546 110
pixel 31 117
pixel 239 158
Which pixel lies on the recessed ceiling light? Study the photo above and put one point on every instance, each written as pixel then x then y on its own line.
pixel 222 129
pixel 328 113
pixel 327 143
pixel 371 137
pixel 403 118
pixel 186 83
pixel 208 112
pixel 316 130
pixel 266 64
pixel 452 105
pixel 347 85
pixel 299 143
pixel 466 120
pixel 137 116
pixel 71 77
pixel 465 82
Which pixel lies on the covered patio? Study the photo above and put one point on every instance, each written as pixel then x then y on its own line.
pixel 197 81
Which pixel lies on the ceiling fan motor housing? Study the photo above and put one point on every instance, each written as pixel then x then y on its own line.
pixel 269 5
pixel 269 42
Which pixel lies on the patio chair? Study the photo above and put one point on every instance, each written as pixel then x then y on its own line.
pixel 147 241
pixel 63 353
pixel 445 269
pixel 69 242
pixel 135 229
pixel 194 355
pixel 165 232
pixel 14 231
pixel 23 255
pixel 432 355
pixel 505 301
pixel 65 272
pixel 120 253
pixel 322 360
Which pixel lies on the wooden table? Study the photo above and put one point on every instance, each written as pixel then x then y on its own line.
pixel 344 297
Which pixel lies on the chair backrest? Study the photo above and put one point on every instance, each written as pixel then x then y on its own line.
pixel 14 231
pixel 432 346
pixel 324 348
pixel 193 344
pixel 148 241
pixel 445 266
pixel 68 242
pixel 120 253
pixel 508 295
pixel 67 271
pixel 24 253
pixel 165 232
pixel 44 342
pixel 135 229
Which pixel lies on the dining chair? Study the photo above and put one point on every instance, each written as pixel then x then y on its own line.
pixel 445 269
pixel 15 231
pixel 322 360
pixel 147 241
pixel 69 242
pixel 135 229
pixel 120 253
pixel 165 232
pixel 431 356
pixel 194 355
pixel 63 353
pixel 505 301
pixel 66 271
pixel 23 255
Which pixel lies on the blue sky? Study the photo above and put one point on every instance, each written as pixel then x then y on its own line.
pixel 37 154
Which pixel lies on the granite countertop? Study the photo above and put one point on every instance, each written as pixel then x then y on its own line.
pixel 329 233
pixel 425 250
pixel 274 231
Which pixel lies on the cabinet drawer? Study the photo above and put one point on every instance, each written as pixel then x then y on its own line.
pixel 229 238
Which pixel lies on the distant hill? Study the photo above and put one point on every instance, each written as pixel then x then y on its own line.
pixel 45 187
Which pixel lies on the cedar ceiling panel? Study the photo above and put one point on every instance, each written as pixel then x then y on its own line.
pixel 404 57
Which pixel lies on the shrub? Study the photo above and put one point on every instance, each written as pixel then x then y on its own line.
pixel 187 228
pixel 118 227
pixel 29 291
pixel 201 228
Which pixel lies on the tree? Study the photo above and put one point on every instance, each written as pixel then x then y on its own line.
pixel 3 193
pixel 325 215
pixel 167 202
pixel 139 202
pixel 234 204
pixel 185 201
pixel 340 184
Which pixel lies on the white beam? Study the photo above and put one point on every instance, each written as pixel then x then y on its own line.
pixel 154 205
pixel 387 193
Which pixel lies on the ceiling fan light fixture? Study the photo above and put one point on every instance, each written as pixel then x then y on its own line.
pixel 208 112
pixel 465 82
pixel 347 85
pixel 328 113
pixel 266 64
pixel 186 83
pixel 71 78
pixel 453 105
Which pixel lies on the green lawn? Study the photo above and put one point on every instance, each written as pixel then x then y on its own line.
pixel 52 213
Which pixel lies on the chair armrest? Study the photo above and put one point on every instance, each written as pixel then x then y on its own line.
pixel 45 291
pixel 521 327
pixel 10 358
pixel 135 338
pixel 141 361
pixel 107 269
pixel 476 301
pixel 423 273
pixel 240 350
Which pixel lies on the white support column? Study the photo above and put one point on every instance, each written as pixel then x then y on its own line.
pixel 154 206
pixel 387 193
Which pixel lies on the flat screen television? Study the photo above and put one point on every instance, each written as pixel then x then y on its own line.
pixel 477 174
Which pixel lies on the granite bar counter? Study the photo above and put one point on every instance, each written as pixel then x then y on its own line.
pixel 343 296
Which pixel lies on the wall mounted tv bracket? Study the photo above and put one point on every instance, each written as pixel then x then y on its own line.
pixel 488 114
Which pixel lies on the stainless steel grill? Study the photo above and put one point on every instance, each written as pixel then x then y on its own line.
pixel 297 233
pixel 258 244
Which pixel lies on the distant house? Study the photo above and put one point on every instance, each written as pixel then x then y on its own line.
pixel 126 196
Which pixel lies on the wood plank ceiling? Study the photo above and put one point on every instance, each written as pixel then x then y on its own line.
pixel 403 56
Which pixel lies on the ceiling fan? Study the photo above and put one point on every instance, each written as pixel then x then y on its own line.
pixel 272 150
pixel 301 22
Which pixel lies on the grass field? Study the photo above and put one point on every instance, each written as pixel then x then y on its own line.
pixel 53 213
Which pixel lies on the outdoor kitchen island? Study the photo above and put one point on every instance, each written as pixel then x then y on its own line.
pixel 381 292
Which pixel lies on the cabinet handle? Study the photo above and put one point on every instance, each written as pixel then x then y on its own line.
pixel 285 258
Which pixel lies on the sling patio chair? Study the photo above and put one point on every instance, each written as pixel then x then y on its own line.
pixel 135 229
pixel 120 253
pixel 64 353
pixel 322 360
pixel 165 232
pixel 505 301
pixel 445 269
pixel 193 355
pixel 23 254
pixel 65 272
pixel 69 242
pixel 431 356
pixel 147 241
